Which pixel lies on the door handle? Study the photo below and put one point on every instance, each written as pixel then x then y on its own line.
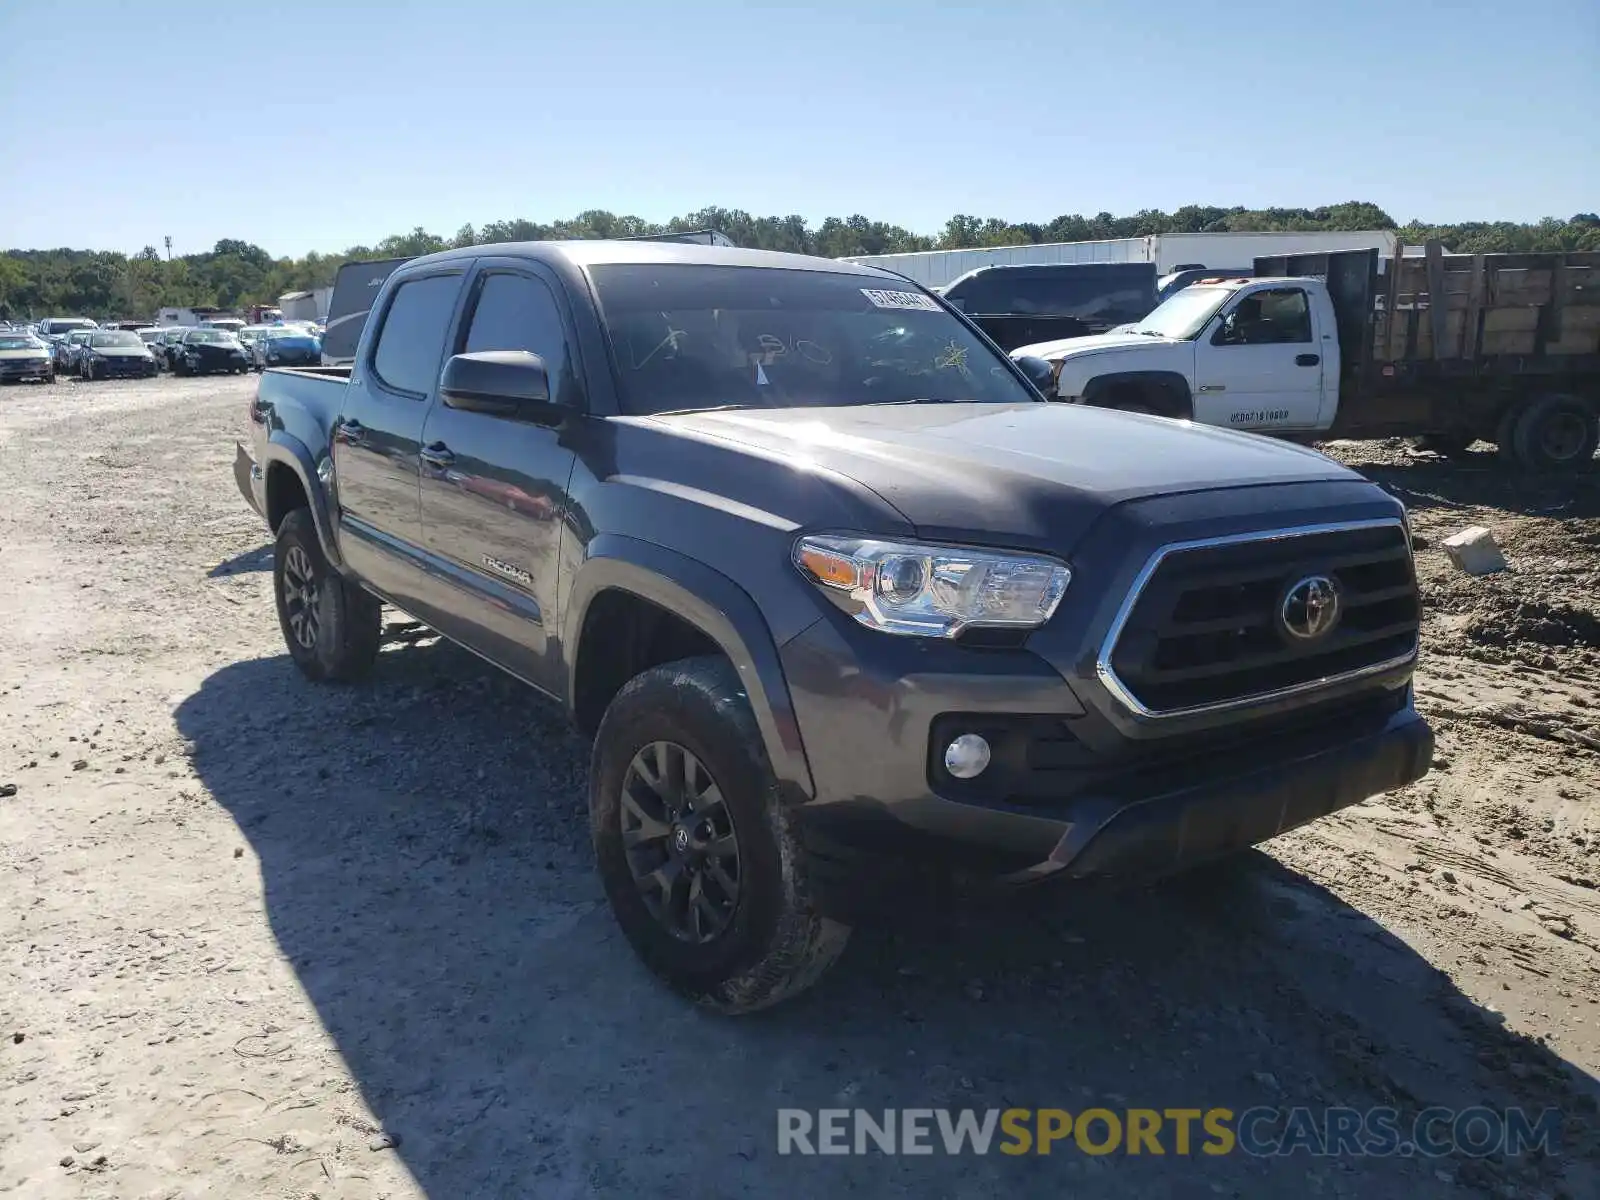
pixel 1306 360
pixel 350 431
pixel 438 456
pixel 1212 387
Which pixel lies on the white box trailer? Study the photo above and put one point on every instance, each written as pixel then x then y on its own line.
pixel 1175 250
pixel 1168 251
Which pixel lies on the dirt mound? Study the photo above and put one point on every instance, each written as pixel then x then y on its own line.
pixel 1535 621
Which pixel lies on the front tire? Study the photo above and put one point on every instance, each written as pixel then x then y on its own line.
pixel 696 849
pixel 330 624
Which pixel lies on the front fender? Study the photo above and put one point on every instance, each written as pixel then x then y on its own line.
pixel 286 451
pixel 1173 385
pixel 720 609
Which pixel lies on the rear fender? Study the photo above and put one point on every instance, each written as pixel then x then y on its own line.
pixel 284 450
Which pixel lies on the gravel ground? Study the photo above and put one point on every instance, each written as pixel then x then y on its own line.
pixel 260 938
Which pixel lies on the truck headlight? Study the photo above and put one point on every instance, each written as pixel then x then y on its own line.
pixel 933 591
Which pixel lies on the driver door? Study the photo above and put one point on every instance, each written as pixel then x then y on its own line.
pixel 1260 368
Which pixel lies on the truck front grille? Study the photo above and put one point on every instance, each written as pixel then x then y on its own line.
pixel 1211 624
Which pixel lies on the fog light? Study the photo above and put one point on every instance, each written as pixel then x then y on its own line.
pixel 967 756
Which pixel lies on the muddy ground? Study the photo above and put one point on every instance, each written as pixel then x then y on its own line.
pixel 264 939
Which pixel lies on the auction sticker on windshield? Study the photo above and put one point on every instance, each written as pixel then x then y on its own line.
pixel 912 300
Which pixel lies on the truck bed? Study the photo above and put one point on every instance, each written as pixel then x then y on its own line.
pixel 1467 313
pixel 1469 307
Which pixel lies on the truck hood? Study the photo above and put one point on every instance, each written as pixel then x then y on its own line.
pixel 1026 475
pixel 1094 344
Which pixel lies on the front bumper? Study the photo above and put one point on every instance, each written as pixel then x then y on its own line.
pixel 125 368
pixel 20 369
pixel 1104 837
pixel 1080 783
pixel 1076 804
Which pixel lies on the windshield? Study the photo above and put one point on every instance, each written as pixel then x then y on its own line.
pixel 695 337
pixel 1186 313
pixel 211 337
pixel 66 324
pixel 115 339
pixel 20 343
pixel 284 333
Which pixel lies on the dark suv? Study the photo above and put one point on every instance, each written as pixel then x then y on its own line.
pixel 832 587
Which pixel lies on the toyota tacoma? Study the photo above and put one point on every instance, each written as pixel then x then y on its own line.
pixel 832 587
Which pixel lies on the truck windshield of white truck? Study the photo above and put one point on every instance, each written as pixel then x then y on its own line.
pixel 1186 314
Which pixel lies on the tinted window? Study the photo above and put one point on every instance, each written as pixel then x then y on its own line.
pixel 114 339
pixel 412 339
pixel 692 337
pixel 515 312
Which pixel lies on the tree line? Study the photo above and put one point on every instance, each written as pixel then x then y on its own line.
pixel 37 283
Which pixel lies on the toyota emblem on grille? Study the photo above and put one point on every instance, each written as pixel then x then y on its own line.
pixel 1310 608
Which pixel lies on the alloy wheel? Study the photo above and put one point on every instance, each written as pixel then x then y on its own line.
pixel 680 843
pixel 301 594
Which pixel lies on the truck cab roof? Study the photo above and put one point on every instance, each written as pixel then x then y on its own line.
pixel 598 252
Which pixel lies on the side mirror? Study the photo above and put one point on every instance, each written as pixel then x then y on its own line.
pixel 500 383
pixel 1039 372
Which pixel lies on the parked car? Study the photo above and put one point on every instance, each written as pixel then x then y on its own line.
pixel 162 345
pixel 248 336
pixel 60 326
pixel 832 587
pixel 205 351
pixel 25 355
pixel 66 350
pixel 117 354
pixel 286 346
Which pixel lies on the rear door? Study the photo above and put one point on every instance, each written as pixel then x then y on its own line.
pixel 494 489
pixel 1259 365
pixel 378 435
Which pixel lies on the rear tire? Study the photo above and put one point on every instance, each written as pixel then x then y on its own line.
pixel 733 948
pixel 331 625
pixel 1555 433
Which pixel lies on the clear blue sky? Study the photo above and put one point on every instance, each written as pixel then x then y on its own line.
pixel 320 125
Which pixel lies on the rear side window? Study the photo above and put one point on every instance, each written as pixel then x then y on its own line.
pixel 412 339
pixel 515 312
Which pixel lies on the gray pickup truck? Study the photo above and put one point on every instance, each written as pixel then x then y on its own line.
pixel 832 588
